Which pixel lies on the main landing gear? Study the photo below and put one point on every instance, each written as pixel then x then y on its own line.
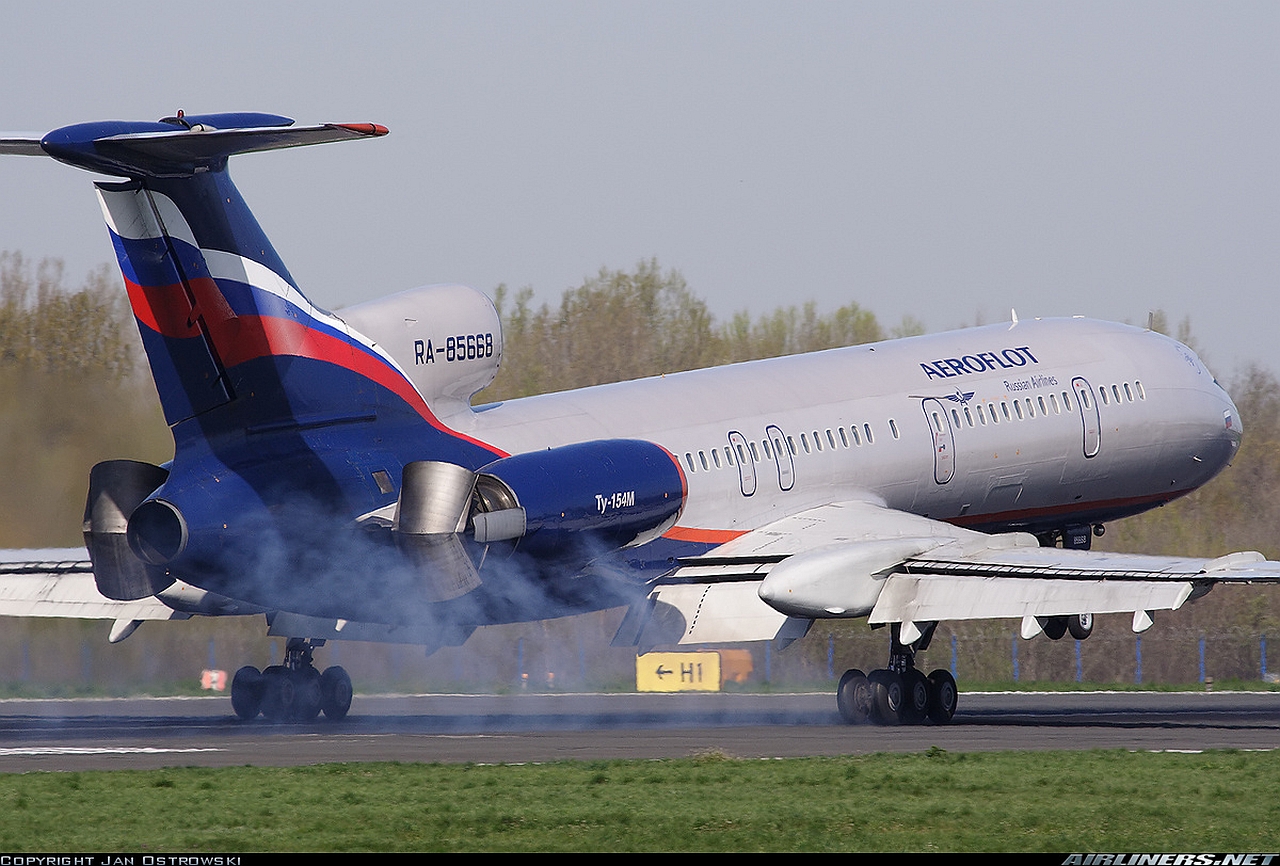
pixel 899 694
pixel 294 691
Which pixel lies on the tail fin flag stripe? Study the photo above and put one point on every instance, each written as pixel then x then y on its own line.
pixel 243 309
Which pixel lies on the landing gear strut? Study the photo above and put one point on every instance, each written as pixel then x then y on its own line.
pixel 898 694
pixel 294 691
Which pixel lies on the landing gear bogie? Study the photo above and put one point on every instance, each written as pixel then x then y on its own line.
pixel 294 691
pixel 899 694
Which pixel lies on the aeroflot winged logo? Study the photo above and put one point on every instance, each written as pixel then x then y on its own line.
pixel 982 362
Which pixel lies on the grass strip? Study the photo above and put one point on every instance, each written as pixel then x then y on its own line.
pixel 931 801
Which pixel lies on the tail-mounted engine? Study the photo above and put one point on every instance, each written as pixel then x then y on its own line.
pixel 435 501
pixel 116 489
pixel 573 502
pixel 611 493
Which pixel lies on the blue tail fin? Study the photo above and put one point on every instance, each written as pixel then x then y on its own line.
pixel 216 307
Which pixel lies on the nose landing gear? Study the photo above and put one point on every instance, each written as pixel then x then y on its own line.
pixel 294 691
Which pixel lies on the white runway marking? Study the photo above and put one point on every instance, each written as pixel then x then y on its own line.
pixel 96 750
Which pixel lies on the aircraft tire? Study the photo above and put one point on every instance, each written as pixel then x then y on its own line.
pixel 889 697
pixel 943 697
pixel 279 694
pixel 916 692
pixel 1080 625
pixel 1055 627
pixel 308 694
pixel 246 692
pixel 335 693
pixel 854 698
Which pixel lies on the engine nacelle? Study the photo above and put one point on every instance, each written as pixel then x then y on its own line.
pixel 611 492
pixel 116 489
pixel 435 499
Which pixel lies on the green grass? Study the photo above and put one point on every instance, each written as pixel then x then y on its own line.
pixel 932 801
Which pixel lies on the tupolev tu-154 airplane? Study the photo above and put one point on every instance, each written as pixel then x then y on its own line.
pixel 331 472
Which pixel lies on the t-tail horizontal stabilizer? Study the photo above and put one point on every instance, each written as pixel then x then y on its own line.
pixel 176 146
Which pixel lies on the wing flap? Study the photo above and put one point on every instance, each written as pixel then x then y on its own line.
pixel 931 598
pixel 709 613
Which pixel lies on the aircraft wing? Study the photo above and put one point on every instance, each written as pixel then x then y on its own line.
pixel 59 583
pixel 860 558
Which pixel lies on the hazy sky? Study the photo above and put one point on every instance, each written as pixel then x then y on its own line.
pixel 943 160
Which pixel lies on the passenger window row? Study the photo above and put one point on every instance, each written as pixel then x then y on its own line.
pixel 855 436
pixel 810 442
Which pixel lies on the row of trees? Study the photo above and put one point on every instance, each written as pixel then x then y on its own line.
pixel 72 393
pixel 621 325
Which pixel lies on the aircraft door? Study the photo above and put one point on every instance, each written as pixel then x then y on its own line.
pixel 1090 419
pixel 746 465
pixel 944 441
pixel 782 456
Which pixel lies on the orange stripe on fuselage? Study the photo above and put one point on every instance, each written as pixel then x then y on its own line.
pixel 702 536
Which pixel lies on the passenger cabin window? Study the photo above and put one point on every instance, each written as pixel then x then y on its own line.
pixel 893 428
pixel 688 458
pixel 866 429
pixel 857 440
pixel 844 439
pixel 1142 395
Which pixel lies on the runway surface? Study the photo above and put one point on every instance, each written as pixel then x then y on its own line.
pixel 139 733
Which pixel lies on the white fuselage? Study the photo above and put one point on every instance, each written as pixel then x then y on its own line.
pixel 1032 424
